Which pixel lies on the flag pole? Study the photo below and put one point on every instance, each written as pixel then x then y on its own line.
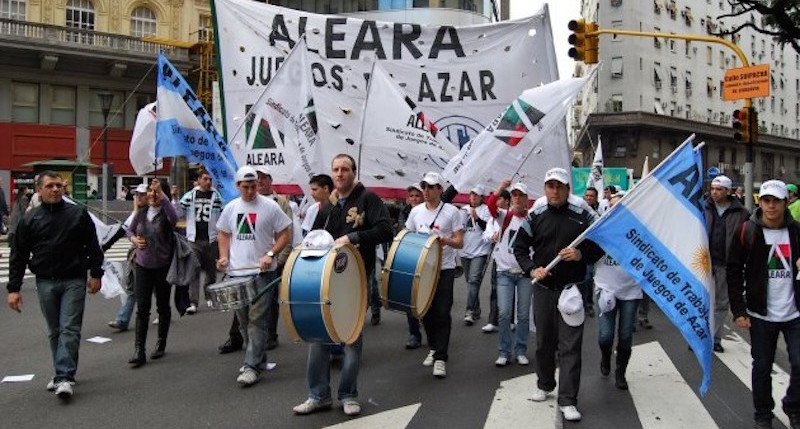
pixel 581 237
pixel 524 160
pixel 361 131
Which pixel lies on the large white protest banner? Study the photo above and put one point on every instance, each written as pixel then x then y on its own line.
pixel 462 76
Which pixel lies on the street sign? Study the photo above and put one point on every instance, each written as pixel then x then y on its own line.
pixel 746 82
pixel 713 172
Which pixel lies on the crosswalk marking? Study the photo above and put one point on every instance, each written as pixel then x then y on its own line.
pixel 117 253
pixel 737 358
pixel 513 408
pixel 662 397
pixel 397 418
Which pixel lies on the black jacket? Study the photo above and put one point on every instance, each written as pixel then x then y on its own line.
pixel 747 266
pixel 56 241
pixel 364 219
pixel 546 231
pixel 722 230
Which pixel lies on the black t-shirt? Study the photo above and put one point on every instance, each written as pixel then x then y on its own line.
pixel 202 213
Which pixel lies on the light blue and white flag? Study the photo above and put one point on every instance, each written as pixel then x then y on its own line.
pixel 185 128
pixel 657 233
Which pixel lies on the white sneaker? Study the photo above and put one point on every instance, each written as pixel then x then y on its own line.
pixel 155 321
pixel 439 370
pixel 468 319
pixel 210 304
pixel 192 309
pixel 489 328
pixel 51 385
pixel 522 360
pixel 351 407
pixel 571 414
pixel 64 389
pixel 248 378
pixel 428 360
pixel 539 395
pixel 312 405
pixel 501 361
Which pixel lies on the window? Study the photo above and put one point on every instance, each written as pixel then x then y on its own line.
pixel 733 156
pixel 772 104
pixel 721 59
pixel 783 110
pixel 672 44
pixel 709 115
pixel 25 102
pixel 721 155
pixel 673 79
pixel 709 53
pixel 205 29
pixel 62 105
pixel 657 75
pixel 688 84
pixel 616 25
pixel 709 87
pixel 616 102
pixel 687 49
pixel 12 9
pixel 115 115
pixel 616 67
pixel 80 15
pixel 143 22
pixel 688 111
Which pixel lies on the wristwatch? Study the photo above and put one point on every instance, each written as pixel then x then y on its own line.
pixel 271 254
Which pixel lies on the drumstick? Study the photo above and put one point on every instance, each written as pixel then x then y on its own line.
pixel 256 267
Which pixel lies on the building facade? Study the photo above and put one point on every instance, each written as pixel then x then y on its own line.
pixel 60 54
pixel 651 93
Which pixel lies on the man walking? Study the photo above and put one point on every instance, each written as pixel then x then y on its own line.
pixel 764 290
pixel 475 252
pixel 724 214
pixel 58 242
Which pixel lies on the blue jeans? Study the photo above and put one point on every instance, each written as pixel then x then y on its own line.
pixel 253 324
pixel 125 311
pixel 627 317
pixel 62 303
pixel 318 371
pixel 473 271
pixel 763 341
pixel 507 285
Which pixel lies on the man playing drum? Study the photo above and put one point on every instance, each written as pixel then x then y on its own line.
pixel 359 217
pixel 252 231
pixel 444 220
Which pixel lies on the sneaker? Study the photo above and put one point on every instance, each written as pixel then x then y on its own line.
pixel 64 390
pixel 718 348
pixel 155 321
pixel 118 326
pixel 51 385
pixel 468 319
pixel 313 405
pixel 192 309
pixel 351 407
pixel 539 395
pixel 439 370
pixel 248 377
pixel 489 328
pixel 210 304
pixel 645 323
pixel 522 360
pixel 428 360
pixel 413 343
pixel 271 344
pixel 571 414
pixel 501 361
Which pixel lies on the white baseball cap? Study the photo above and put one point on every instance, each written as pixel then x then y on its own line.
pixel 432 178
pixel 414 186
pixel 141 189
pixel 519 186
pixel 263 170
pixel 722 181
pixel 317 243
pixel 606 300
pixel 557 174
pixel 246 174
pixel 478 190
pixel 775 188
pixel 570 304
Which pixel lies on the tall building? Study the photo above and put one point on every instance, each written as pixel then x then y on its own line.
pixel 59 55
pixel 452 12
pixel 651 93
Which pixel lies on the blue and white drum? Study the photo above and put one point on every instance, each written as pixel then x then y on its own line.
pixel 411 273
pixel 324 294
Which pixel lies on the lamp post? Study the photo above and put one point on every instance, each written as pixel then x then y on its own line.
pixel 105 105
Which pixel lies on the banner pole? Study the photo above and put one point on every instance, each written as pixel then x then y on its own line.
pixel 363 115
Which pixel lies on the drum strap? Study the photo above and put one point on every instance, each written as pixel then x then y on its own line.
pixel 433 222
pixel 506 221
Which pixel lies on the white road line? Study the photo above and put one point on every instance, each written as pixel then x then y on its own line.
pixel 513 408
pixel 737 358
pixel 662 397
pixel 397 418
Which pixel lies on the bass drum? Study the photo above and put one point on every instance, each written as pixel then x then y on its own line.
pixel 411 273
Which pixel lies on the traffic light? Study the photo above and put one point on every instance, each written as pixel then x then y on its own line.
pixel 741 125
pixel 753 125
pixel 584 47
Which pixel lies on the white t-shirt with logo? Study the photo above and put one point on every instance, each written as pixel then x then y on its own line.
pixel 780 284
pixel 446 223
pixel 253 226
pixel 474 243
pixel 610 276
pixel 504 250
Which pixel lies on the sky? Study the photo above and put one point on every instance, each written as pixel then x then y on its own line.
pixel 561 12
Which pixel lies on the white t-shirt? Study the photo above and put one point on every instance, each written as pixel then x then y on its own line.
pixel 311 216
pixel 610 276
pixel 446 223
pixel 504 250
pixel 780 284
pixel 253 226
pixel 474 243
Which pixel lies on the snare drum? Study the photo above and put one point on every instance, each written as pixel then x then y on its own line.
pixel 232 294
pixel 411 273
pixel 324 296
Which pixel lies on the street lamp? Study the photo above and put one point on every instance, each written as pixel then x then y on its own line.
pixel 105 105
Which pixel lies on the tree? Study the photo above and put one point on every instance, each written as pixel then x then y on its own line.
pixel 778 18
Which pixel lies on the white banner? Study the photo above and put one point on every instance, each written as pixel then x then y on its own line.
pixel 142 151
pixel 595 179
pixel 462 76
pixel 519 143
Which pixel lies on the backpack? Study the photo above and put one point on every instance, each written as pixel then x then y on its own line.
pixel 747 237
